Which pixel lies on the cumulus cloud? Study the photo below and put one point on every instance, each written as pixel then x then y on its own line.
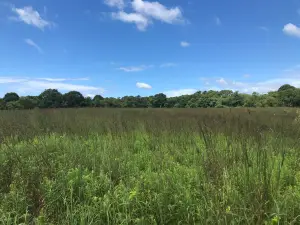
pixel 157 11
pixel 184 44
pixel 31 17
pixel 145 12
pixel 115 3
pixel 179 92
pixel 139 20
pixel 134 68
pixel 143 85
pixel 33 44
pixel 292 30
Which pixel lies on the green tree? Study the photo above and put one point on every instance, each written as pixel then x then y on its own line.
pixel 88 102
pixel 159 100
pixel 2 104
pixel 11 96
pixel 12 105
pixel 50 98
pixel 286 87
pixel 27 103
pixel 98 98
pixel 73 99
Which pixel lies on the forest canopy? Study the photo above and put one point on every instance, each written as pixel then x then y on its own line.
pixel 285 96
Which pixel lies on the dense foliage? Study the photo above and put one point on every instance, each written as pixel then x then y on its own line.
pixel 150 166
pixel 287 96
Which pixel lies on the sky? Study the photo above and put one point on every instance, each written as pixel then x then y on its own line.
pixel 138 47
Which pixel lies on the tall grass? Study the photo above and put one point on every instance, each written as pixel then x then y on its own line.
pixel 97 166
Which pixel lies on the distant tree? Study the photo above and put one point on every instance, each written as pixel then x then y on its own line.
pixel 286 87
pixel 159 100
pixel 225 93
pixel 2 104
pixel 11 96
pixel 98 98
pixel 236 100
pixel 88 102
pixel 27 103
pixel 12 105
pixel 73 99
pixel 50 98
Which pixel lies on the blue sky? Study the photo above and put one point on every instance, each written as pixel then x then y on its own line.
pixel 139 47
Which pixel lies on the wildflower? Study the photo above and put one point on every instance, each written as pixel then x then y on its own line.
pixel 132 194
pixel 228 209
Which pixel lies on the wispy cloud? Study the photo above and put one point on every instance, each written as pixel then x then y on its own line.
pixel 8 80
pixel 41 85
pixel 179 92
pixel 62 79
pixel 246 75
pixel 33 44
pixel 31 17
pixel 184 44
pixel 145 12
pixel 134 68
pixel 164 65
pixel 143 85
pixel 292 30
pixel 222 81
pixel 115 3
pixel 263 28
pixel 28 86
pixel 218 21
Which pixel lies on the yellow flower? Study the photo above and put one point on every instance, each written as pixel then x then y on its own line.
pixel 132 194
pixel 228 209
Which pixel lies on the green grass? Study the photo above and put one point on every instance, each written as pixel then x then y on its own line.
pixel 97 166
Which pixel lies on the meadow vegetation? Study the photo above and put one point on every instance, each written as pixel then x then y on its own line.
pixel 150 166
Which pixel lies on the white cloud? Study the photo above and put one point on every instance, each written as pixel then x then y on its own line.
pixel 60 86
pixel 246 75
pixel 218 21
pixel 164 65
pixel 7 80
pixel 222 81
pixel 292 30
pixel 28 86
pixel 31 17
pixel 157 11
pixel 144 12
pixel 134 68
pixel 143 85
pixel 62 79
pixel 184 44
pixel 115 3
pixel 90 95
pixel 263 86
pixel 139 20
pixel 175 93
pixel 33 44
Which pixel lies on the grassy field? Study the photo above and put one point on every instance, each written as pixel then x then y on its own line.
pixel 179 166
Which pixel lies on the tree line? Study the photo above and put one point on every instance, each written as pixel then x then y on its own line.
pixel 286 95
